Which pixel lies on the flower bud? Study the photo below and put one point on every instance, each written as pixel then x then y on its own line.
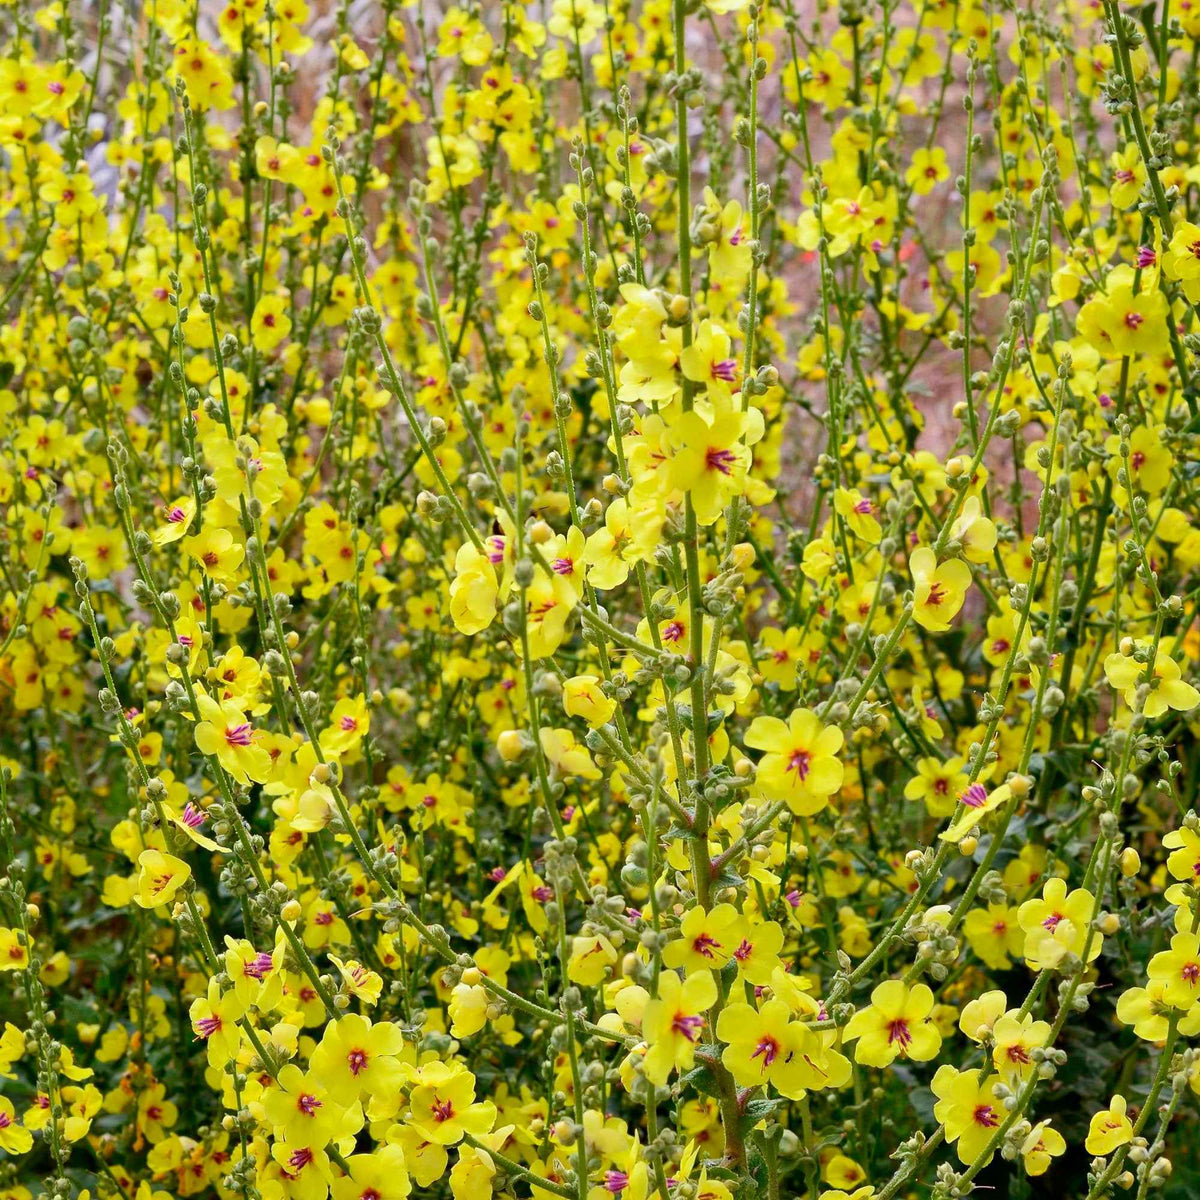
pixel 513 744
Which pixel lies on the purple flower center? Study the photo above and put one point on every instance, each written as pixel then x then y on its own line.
pixel 299 1159
pixel 800 762
pixel 258 966
pixel 193 817
pixel 720 460
pixel 975 796
pixel 768 1050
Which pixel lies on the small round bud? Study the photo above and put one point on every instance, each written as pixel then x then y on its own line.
pixel 512 745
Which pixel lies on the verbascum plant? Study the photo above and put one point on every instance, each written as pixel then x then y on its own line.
pixel 599 599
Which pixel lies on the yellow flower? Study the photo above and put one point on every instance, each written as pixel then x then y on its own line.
pixel 467 1009
pixel 970 1109
pixel 14 953
pixel 160 876
pixel 672 1024
pixel 380 1175
pixel 255 975
pixel 303 1112
pixel 1149 1012
pixel 819 559
pixel 1182 259
pixel 710 460
pixel 214 1021
pixel 995 934
pixel 781 653
pixel 1150 461
pixel 974 532
pixel 859 513
pixel 1041 1145
pixel 547 608
pixel 223 733
pixel 1016 1038
pixel 928 169
pixel 980 1015
pixel 269 324
pixel 976 803
pixel 707 940
pixel 938 784
pixel 1057 924
pixel 465 37
pixel 938 591
pixel 764 1046
pixel 801 764
pixel 278 160
pixel 611 548
pixel 442 1106
pixel 1166 687
pixel 472 1175
pixel 1178 969
pixel 757 954
pixel 205 74
pixel 358 1060
pixel 707 360
pixel 567 758
pixel 1129 176
pixel 474 590
pixel 1123 324
pixel 217 552
pixel 364 985
pixel 1184 860
pixel 591 957
pixel 896 1024
pixel 14 1138
pixel 582 697
pixel 1109 1128
pixel 177 518
pixel 843 1173
pixel 349 723
pixel 854 217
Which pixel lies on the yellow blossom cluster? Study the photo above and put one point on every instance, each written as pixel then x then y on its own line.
pixel 599 599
